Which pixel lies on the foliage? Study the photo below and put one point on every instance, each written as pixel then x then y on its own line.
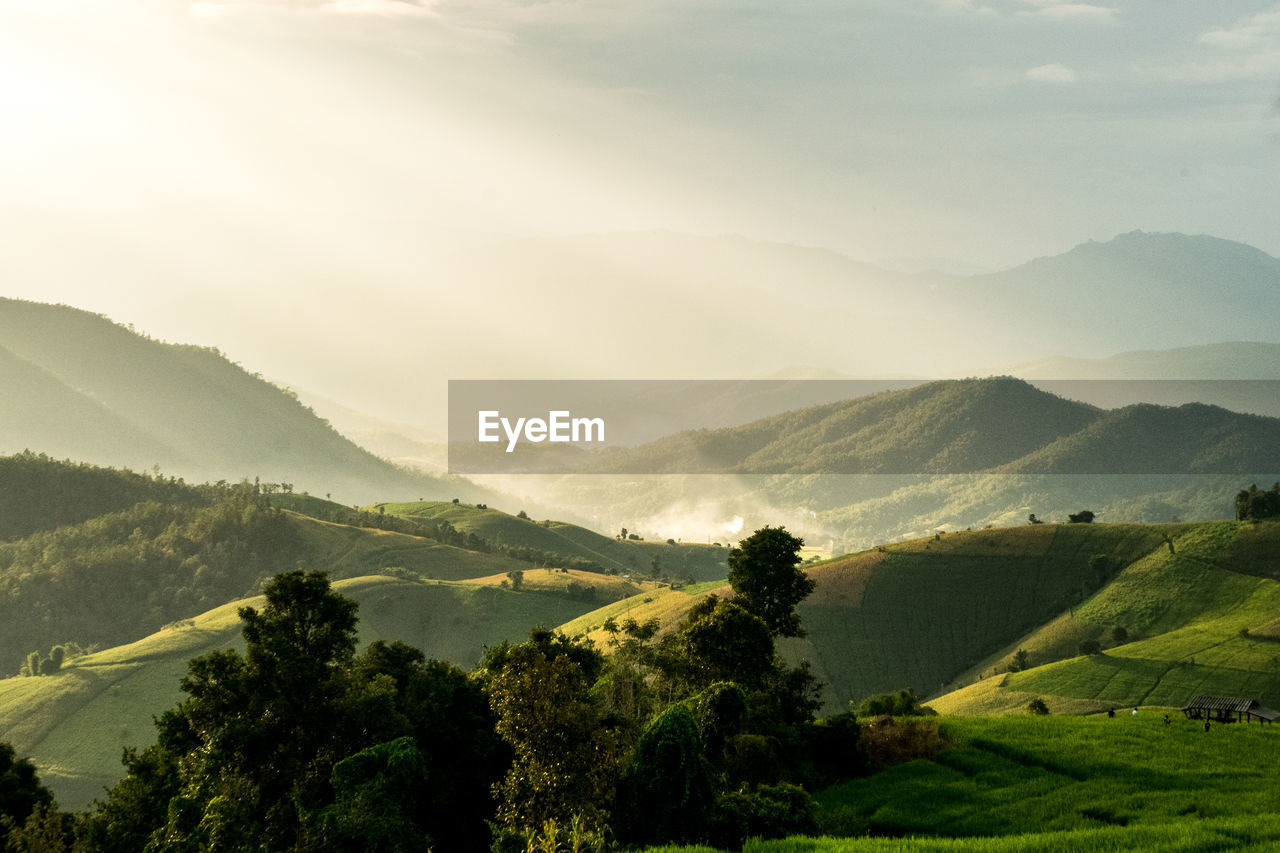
pixel 666 792
pixel 888 740
pixel 299 744
pixel 563 757
pixel 20 791
pixel 904 703
pixel 766 811
pixel 1037 707
pixel 121 575
pixel 764 571
pixel 1254 504
pixel 723 641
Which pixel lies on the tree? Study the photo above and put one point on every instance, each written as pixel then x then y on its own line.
pixel 1254 504
pixel 1037 707
pixel 1084 516
pixel 1031 519
pixel 764 571
pixel 723 641
pixel 904 703
pixel 666 792
pixel 562 756
pixel 1090 647
pixel 1119 635
pixel 1021 660
pixel 516 577
pixel 251 758
pixel 20 791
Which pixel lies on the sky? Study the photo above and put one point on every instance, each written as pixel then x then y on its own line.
pixel 261 175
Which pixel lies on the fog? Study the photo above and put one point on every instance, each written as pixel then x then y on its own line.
pixel 364 198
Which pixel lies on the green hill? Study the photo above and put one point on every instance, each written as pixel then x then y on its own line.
pixel 1197 618
pixel 968 426
pixel 105 557
pixel 950 611
pixel 39 493
pixel 680 561
pixel 77 385
pixel 75 723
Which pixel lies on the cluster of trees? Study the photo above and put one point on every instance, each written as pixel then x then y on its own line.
pixel 444 532
pixel 102 580
pixel 703 735
pixel 36 664
pixel 1254 504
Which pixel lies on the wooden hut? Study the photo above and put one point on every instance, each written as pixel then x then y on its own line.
pixel 1228 709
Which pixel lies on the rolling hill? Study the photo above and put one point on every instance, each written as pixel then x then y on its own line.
pixel 76 722
pixel 1199 616
pixel 968 426
pixel 79 386
pixel 950 611
pixel 680 561
pixel 101 557
pixel 944 613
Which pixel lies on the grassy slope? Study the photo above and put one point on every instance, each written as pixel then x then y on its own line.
pixel 75 723
pixel 1082 784
pixel 918 613
pixel 346 551
pixel 930 611
pixel 1197 623
pixel 702 562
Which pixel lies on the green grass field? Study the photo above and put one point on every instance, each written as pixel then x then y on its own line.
pixel 701 562
pixel 1200 619
pixel 346 551
pixel 1062 784
pixel 74 724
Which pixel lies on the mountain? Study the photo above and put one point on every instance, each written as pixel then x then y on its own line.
pixel 1227 360
pixel 77 385
pixel 968 426
pixel 653 305
pixel 1137 291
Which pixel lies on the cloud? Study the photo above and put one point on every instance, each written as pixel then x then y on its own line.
pixel 1052 9
pixel 1078 12
pixel 1262 31
pixel 1052 73
pixel 379 8
pixel 1246 50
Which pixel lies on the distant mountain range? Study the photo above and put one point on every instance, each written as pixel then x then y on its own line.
pixel 969 426
pixel 77 385
pixel 651 305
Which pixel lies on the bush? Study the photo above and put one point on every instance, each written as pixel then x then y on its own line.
pixel 1090 647
pixel 904 703
pixel 1038 707
pixel 887 741
pixel 769 811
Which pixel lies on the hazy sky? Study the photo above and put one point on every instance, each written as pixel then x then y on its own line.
pixel 238 173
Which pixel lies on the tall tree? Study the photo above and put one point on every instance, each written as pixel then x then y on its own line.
pixel 563 755
pixel 764 571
